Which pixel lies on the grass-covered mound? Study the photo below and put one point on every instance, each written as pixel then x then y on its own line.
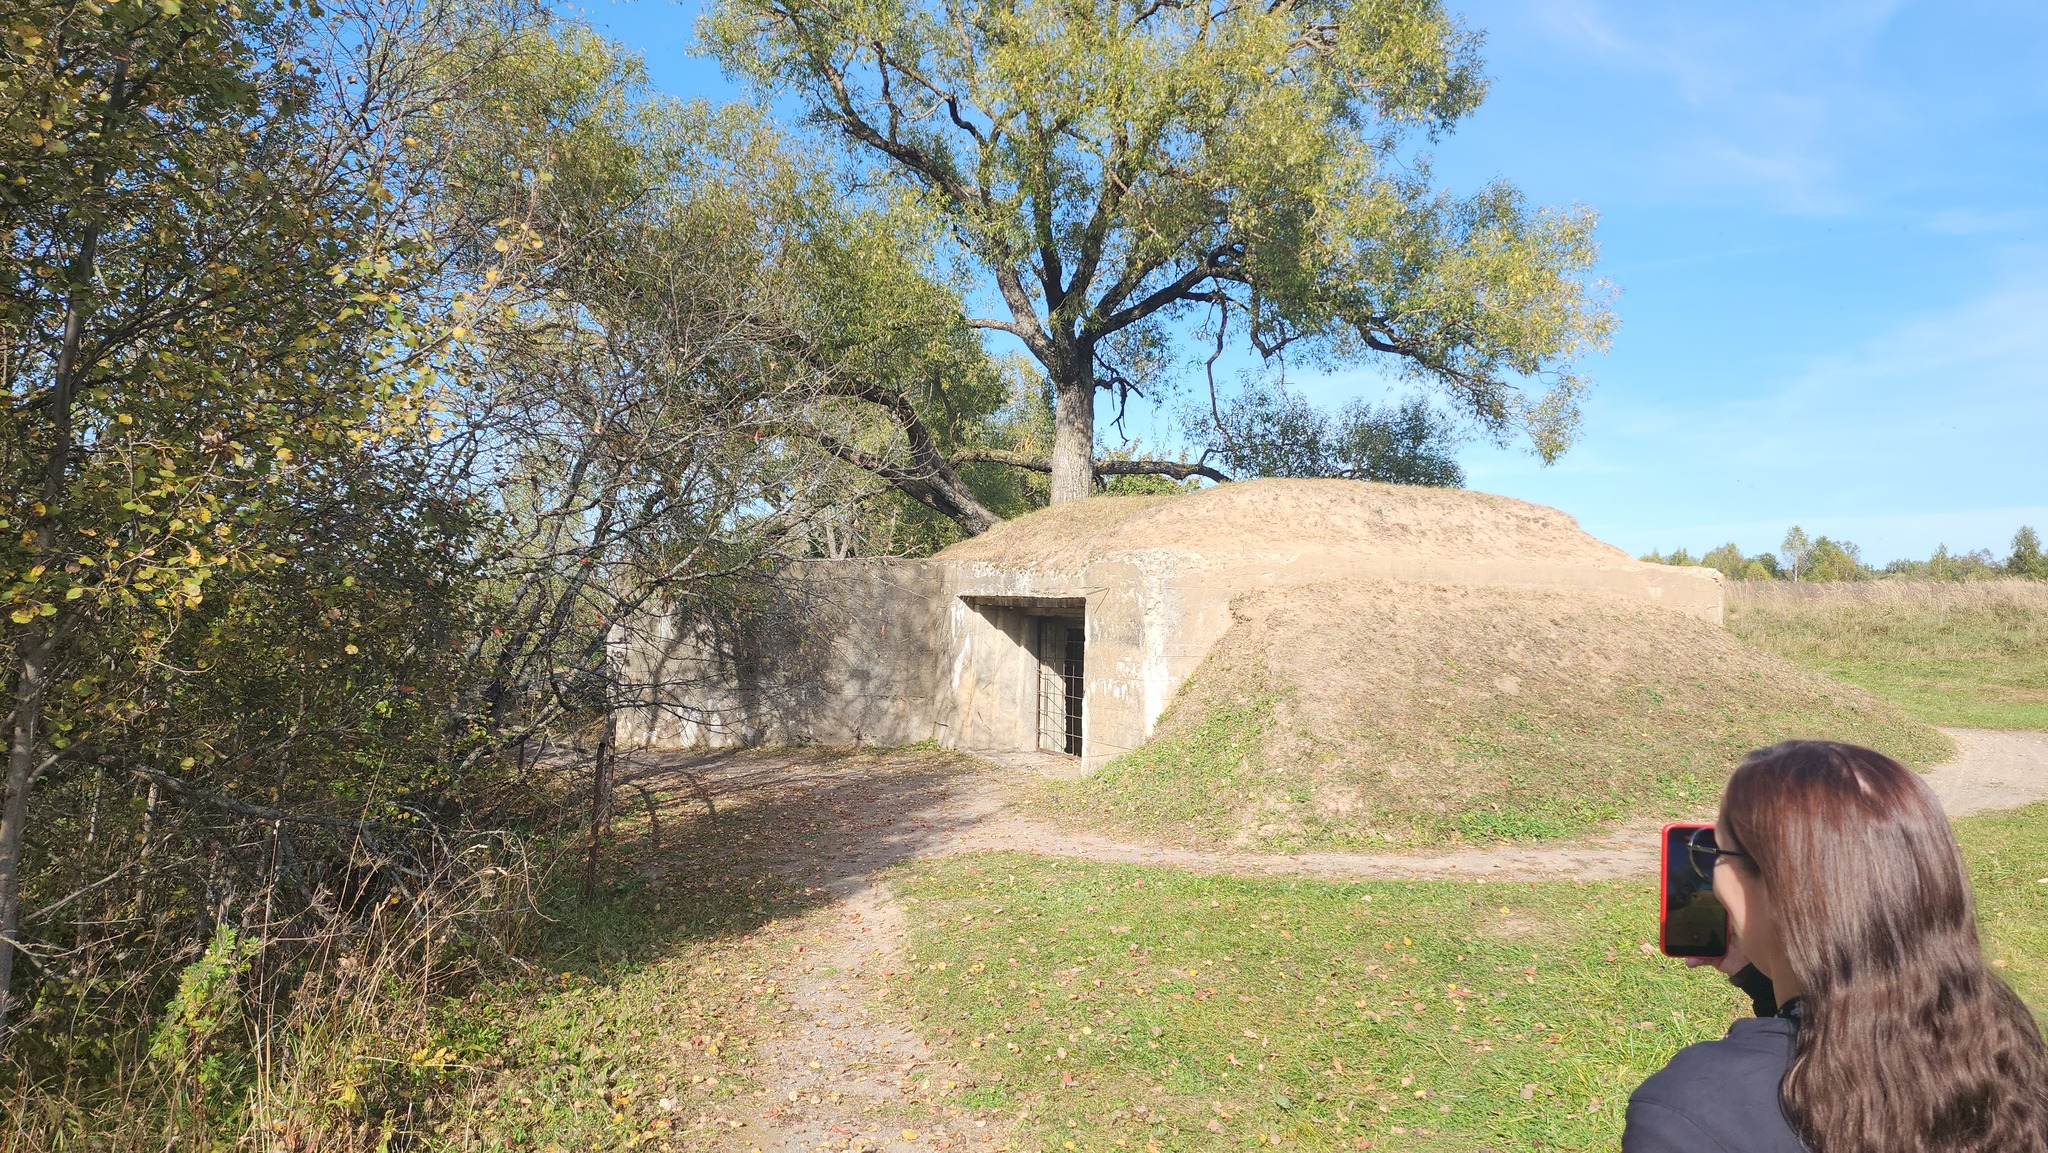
pixel 1367 713
pixel 1950 653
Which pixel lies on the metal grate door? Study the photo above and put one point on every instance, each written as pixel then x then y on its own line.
pixel 1061 646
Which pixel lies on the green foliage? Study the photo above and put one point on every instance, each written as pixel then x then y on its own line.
pixel 1829 560
pixel 1276 433
pixel 1824 560
pixel 1946 566
pixel 202 1037
pixel 1794 552
pixel 1727 559
pixel 1114 169
pixel 2026 559
pixel 237 570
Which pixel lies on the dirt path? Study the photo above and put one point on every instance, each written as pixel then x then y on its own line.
pixel 851 1073
pixel 1992 770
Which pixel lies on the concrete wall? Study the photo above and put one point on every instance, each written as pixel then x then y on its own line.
pixel 850 653
pixel 894 652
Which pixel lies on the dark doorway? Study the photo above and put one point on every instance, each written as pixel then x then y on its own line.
pixel 1062 683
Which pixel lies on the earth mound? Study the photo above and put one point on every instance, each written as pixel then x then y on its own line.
pixel 1359 713
pixel 1284 518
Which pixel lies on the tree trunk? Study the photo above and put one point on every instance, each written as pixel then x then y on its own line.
pixel 1073 444
pixel 21 762
pixel 39 649
pixel 600 803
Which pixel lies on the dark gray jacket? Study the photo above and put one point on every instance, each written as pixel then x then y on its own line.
pixel 1718 1096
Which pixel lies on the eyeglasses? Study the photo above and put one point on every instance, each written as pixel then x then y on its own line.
pixel 1703 855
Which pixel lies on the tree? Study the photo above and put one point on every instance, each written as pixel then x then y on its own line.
pixel 1114 168
pixel 629 359
pixel 1728 559
pixel 191 294
pixel 1794 552
pixel 1829 560
pixel 2026 560
pixel 1275 433
pixel 218 369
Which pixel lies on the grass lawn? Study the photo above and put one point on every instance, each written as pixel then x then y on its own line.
pixel 1973 654
pixel 1130 1007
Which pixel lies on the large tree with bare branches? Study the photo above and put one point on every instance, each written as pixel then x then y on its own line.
pixel 1119 173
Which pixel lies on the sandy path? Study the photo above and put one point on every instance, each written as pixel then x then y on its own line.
pixel 849 1073
pixel 1993 769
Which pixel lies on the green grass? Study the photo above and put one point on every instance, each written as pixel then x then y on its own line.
pixel 1134 1007
pixel 1974 654
pixel 2008 855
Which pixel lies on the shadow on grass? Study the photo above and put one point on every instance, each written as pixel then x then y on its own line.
pixel 713 846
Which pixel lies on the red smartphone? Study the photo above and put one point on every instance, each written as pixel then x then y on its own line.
pixel 1692 922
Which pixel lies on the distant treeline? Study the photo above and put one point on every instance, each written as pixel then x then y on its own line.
pixel 1821 559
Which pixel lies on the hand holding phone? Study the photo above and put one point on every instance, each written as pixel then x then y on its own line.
pixel 1692 922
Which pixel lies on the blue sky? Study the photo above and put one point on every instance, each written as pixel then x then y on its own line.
pixel 1827 224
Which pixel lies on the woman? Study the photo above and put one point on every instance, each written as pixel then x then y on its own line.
pixel 1889 1034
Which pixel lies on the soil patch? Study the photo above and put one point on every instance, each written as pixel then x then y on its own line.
pixel 1285 518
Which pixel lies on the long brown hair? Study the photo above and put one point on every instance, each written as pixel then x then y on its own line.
pixel 1908 1042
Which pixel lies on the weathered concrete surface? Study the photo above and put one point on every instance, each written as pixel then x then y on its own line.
pixel 895 652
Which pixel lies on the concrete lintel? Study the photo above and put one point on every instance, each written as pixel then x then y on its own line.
pixel 1047 606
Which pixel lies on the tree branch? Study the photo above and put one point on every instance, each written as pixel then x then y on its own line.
pixel 1181 288
pixel 1177 469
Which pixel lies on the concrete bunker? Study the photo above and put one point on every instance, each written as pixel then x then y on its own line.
pixel 1068 631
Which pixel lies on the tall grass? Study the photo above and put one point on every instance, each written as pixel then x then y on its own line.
pixel 283 1032
pixel 1973 654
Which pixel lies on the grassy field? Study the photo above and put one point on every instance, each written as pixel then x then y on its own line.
pixel 1969 654
pixel 1122 1007
pixel 1098 1004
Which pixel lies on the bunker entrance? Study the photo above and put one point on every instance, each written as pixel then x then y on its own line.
pixel 1048 686
pixel 1062 676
